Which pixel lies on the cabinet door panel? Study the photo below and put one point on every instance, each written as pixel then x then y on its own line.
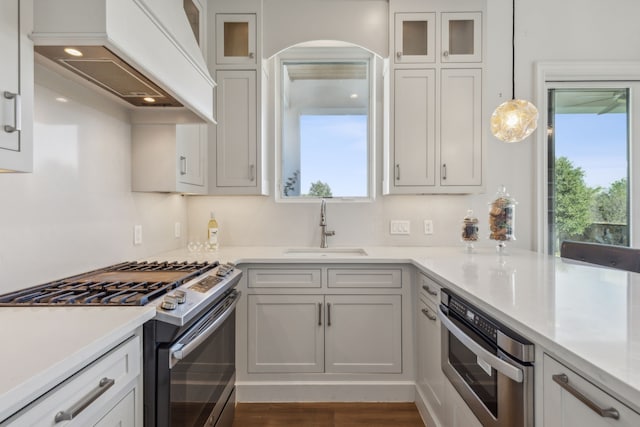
pixel 236 136
pixel 363 334
pixel 414 38
pixel 190 141
pixel 285 333
pixel 462 37
pixel 414 128
pixel 461 127
pixel 236 39
pixel 431 379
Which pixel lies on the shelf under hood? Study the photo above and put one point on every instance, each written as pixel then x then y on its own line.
pixel 134 49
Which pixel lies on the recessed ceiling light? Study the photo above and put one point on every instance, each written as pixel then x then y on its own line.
pixel 73 52
pixel 149 99
pixel 354 96
pixel 61 99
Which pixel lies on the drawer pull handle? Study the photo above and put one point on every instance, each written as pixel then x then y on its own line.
pixel 429 315
pixel 183 165
pixel 319 314
pixel 563 381
pixel 429 290
pixel 104 385
pixel 328 314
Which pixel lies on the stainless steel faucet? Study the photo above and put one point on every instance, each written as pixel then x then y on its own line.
pixel 323 225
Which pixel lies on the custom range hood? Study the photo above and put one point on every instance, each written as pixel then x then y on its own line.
pixel 142 51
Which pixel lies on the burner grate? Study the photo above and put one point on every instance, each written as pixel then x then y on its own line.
pixel 128 283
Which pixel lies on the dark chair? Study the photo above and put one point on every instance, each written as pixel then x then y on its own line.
pixel 619 257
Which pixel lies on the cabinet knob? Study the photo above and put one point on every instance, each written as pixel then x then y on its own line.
pixel 251 55
pixel 445 53
pixel 399 55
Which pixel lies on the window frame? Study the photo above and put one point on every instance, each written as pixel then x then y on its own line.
pixel 549 75
pixel 324 51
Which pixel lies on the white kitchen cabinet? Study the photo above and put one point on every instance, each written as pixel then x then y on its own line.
pixel 567 396
pixel 16 86
pixel 325 333
pixel 461 39
pixel 435 139
pixel 414 134
pixel 106 392
pixel 285 333
pixel 430 378
pixel 414 38
pixel 169 158
pixel 236 39
pixel 238 170
pixel 363 334
pixel 461 127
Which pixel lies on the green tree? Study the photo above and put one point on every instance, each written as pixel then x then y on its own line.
pixel 320 189
pixel 573 199
pixel 610 206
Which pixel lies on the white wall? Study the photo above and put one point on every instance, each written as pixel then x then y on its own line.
pixel 588 30
pixel 76 210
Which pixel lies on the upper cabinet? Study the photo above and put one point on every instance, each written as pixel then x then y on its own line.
pixel 169 158
pixel 237 158
pixel 435 133
pixel 236 38
pixel 461 37
pixel 414 38
pixel 16 87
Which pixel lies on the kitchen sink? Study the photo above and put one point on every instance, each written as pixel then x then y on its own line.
pixel 325 252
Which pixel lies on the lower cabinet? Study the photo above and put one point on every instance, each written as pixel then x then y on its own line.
pixel 325 333
pixel 107 392
pixel 430 378
pixel 572 401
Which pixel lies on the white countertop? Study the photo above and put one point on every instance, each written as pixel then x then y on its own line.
pixel 45 345
pixel 586 315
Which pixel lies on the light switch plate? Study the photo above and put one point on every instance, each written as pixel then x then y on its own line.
pixel 428 226
pixel 137 234
pixel 400 227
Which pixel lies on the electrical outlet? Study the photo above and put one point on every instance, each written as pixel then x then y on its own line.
pixel 428 226
pixel 137 234
pixel 177 230
pixel 400 227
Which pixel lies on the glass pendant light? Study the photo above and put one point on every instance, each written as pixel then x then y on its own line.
pixel 516 119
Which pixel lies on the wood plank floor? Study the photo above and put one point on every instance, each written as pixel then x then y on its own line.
pixel 327 415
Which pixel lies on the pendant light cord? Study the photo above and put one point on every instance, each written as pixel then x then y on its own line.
pixel 513 50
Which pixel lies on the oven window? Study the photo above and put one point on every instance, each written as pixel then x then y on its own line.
pixel 484 386
pixel 198 381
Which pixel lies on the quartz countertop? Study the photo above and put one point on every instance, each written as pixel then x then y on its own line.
pixel 45 345
pixel 587 315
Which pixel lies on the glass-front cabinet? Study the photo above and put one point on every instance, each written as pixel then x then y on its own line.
pixel 236 38
pixel 461 37
pixel 414 38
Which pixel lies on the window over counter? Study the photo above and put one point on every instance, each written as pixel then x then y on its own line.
pixel 326 99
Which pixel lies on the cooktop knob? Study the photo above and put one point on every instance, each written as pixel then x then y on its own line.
pixel 169 303
pixel 180 295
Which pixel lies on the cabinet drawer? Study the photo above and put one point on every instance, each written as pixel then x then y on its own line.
pixel 428 289
pixel 284 278
pixel 121 365
pixel 364 278
pixel 563 405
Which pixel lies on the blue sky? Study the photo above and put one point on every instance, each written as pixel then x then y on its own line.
pixel 333 149
pixel 596 143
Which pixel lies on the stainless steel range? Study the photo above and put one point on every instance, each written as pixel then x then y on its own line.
pixel 189 347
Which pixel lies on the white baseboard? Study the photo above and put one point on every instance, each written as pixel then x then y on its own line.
pixel 325 391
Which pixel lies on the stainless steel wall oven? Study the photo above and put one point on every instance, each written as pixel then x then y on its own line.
pixel 490 365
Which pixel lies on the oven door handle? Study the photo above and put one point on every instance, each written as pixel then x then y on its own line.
pixel 179 351
pixel 496 363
